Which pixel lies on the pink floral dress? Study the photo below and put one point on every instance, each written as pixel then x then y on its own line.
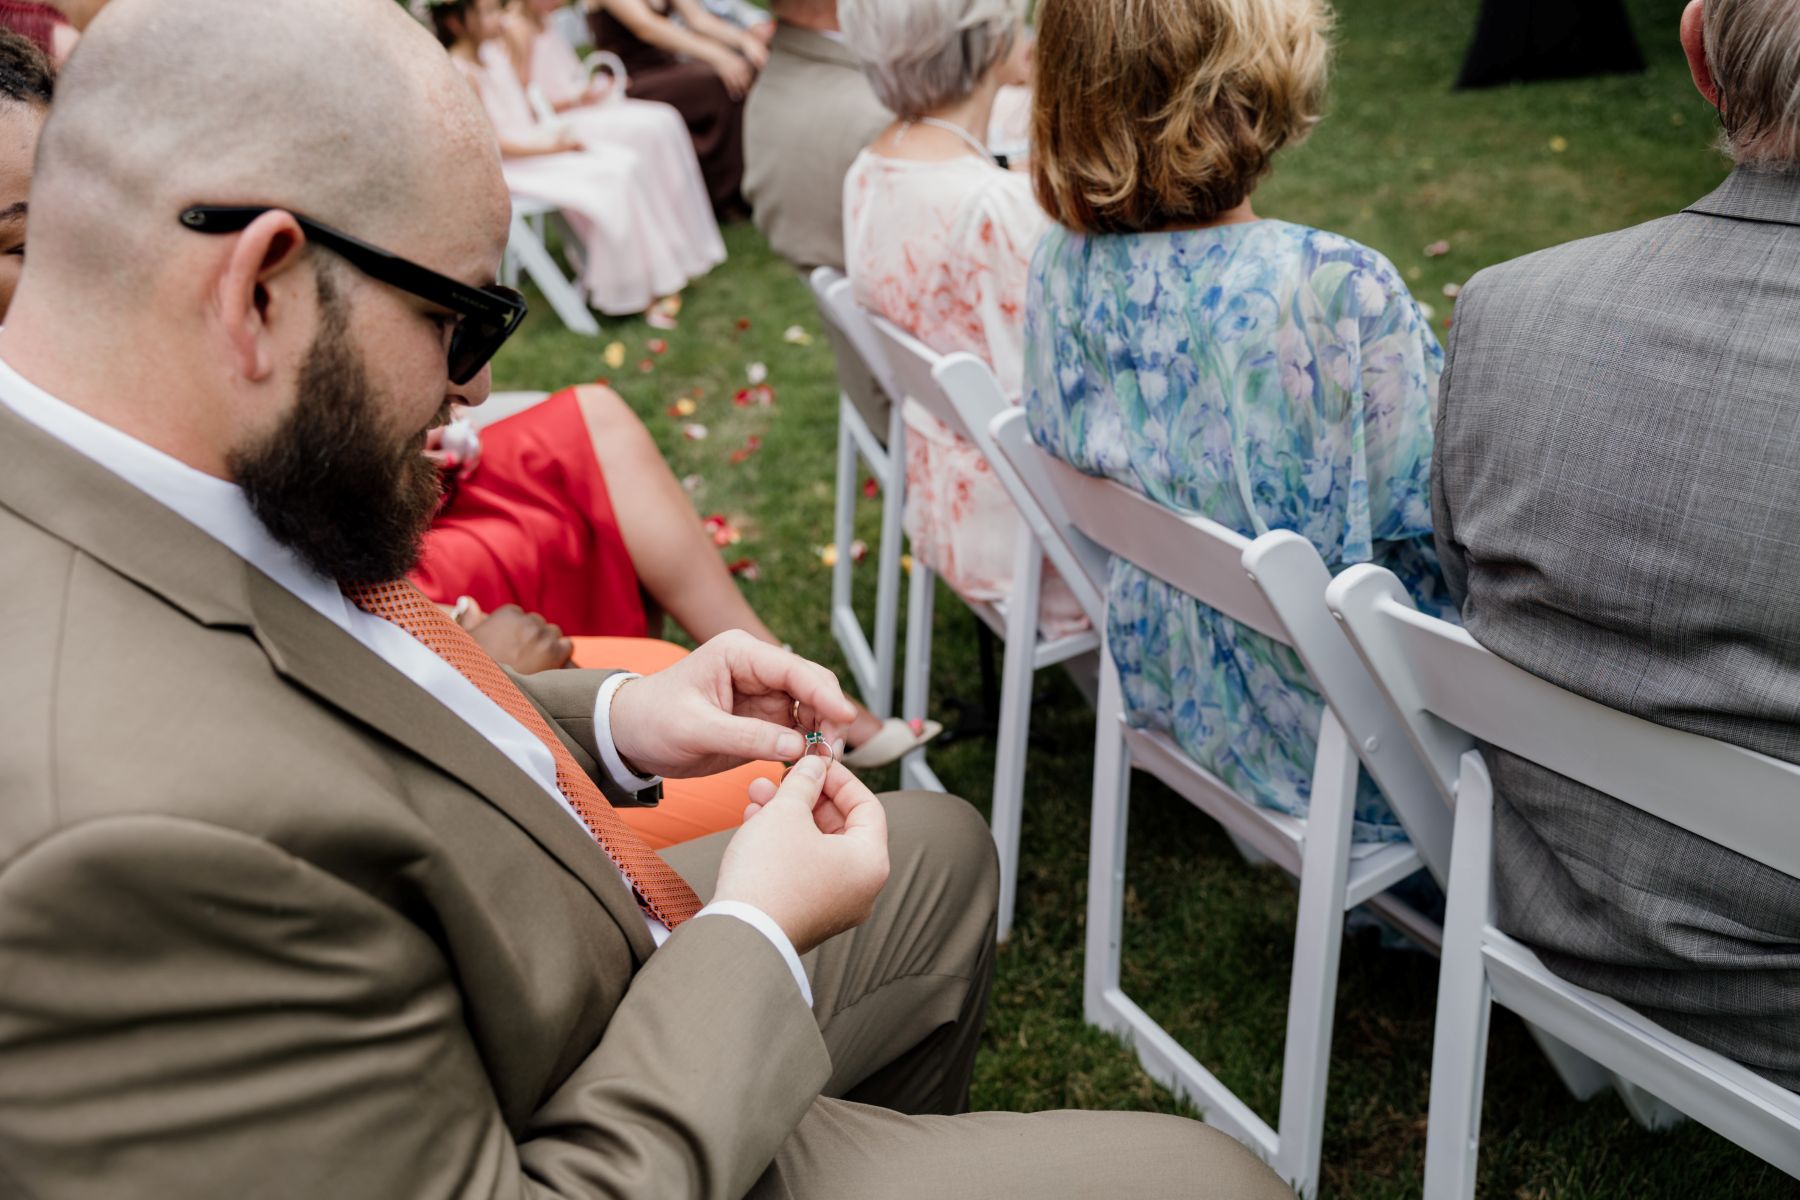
pixel 942 249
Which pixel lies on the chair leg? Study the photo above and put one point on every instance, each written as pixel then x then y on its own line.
pixel 844 622
pixel 564 299
pixel 1459 1048
pixel 1318 940
pixel 917 681
pixel 1018 671
pixel 1106 852
pixel 887 586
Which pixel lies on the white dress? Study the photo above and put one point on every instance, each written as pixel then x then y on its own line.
pixel 655 132
pixel 941 249
pixel 627 258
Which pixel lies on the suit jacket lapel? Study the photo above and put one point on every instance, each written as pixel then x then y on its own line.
pixel 74 498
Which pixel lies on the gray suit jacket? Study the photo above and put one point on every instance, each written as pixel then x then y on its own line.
pixel 1617 496
pixel 809 114
pixel 274 922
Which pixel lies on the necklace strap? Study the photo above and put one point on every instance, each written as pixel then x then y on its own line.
pixel 968 138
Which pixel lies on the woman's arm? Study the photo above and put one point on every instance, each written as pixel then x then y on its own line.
pixel 658 30
pixel 702 21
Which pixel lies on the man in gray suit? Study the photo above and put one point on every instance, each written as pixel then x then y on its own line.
pixel 300 894
pixel 1617 498
pixel 810 113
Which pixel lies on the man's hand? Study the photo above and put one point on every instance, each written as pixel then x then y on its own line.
pixel 515 638
pixel 727 703
pixel 812 853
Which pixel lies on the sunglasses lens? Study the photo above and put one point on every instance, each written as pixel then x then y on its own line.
pixel 478 338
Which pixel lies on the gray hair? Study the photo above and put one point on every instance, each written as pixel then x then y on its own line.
pixel 922 54
pixel 1753 51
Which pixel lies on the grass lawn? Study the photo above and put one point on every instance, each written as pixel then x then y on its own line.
pixel 1400 163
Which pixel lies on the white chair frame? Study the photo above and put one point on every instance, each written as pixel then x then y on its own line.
pixel 1449 693
pixel 861 367
pixel 527 250
pixel 961 391
pixel 1275 585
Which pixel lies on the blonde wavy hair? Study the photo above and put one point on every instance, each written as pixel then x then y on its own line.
pixel 1156 113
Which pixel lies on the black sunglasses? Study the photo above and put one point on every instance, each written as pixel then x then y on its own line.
pixel 486 316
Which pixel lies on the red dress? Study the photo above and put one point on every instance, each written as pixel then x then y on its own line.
pixel 33 21
pixel 534 526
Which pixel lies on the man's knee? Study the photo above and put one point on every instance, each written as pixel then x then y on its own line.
pixel 945 833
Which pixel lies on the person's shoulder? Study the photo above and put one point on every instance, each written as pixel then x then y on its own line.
pixel 1590 259
pixel 1007 198
pixel 1318 247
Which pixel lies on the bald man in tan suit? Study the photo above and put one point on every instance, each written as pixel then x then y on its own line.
pixel 296 897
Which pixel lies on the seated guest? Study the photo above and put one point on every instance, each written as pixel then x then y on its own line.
pixel 701 65
pixel 304 896
pixel 542 58
pixel 27 83
pixel 749 17
pixel 807 118
pixel 1615 494
pixel 1009 127
pixel 569 511
pixel 938 239
pixel 633 252
pixel 1263 374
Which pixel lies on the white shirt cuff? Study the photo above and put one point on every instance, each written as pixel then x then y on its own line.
pixel 609 753
pixel 764 924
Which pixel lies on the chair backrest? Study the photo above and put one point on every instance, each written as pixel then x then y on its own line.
pixel 1274 584
pixel 1019 465
pixel 1190 553
pixel 912 369
pixel 860 363
pixel 1449 693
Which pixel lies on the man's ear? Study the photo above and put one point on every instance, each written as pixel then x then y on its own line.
pixel 246 292
pixel 1693 43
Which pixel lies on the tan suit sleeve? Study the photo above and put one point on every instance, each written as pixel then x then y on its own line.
pixel 567 698
pixel 187 1010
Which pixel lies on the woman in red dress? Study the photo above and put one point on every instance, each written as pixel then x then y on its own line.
pixel 534 524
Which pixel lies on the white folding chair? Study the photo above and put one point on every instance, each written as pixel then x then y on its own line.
pixel 1275 585
pixel 527 250
pixel 869 430
pixel 961 391
pixel 1449 694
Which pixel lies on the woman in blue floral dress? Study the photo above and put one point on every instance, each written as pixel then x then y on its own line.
pixel 1263 374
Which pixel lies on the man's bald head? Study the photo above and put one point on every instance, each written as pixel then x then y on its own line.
pixel 344 110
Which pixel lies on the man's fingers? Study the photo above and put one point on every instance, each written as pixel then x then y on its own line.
pixel 802 786
pixel 748 738
pixel 760 667
pixel 863 815
pixel 761 791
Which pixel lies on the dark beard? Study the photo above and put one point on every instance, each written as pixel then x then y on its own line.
pixel 328 484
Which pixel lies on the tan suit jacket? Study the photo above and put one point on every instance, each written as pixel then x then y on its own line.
pixel 808 116
pixel 274 922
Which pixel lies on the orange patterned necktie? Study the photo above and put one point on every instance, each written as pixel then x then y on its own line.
pixel 663 893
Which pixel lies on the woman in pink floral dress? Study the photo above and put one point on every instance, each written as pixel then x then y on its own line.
pixel 938 238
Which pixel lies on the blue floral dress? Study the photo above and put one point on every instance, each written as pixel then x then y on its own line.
pixel 1267 376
